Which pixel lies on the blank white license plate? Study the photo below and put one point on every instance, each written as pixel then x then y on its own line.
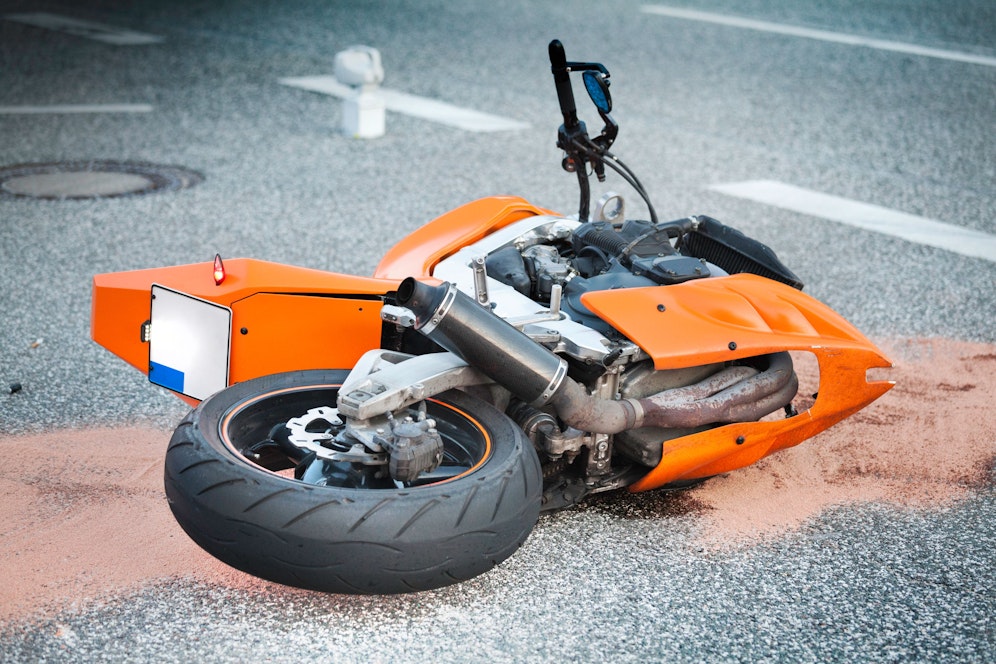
pixel 189 341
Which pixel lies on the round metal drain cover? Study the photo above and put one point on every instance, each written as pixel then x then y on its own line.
pixel 92 179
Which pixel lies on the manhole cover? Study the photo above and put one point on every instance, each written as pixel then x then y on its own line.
pixel 92 179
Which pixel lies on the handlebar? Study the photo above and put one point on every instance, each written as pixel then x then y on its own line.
pixel 572 137
pixel 562 79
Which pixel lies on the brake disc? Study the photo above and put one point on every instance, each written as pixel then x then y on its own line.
pixel 318 431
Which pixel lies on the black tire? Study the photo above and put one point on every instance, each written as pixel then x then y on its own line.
pixel 346 539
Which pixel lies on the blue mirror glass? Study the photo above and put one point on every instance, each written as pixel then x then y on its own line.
pixel 598 90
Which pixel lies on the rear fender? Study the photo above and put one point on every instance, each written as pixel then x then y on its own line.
pixel 284 318
pixel 740 316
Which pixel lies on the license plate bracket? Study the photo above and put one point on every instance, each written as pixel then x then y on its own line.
pixel 189 343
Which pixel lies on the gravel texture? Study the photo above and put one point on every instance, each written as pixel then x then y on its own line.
pixel 822 594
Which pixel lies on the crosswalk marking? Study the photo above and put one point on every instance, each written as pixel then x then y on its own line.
pixel 822 35
pixel 76 108
pixel 107 34
pixel 420 107
pixel 921 230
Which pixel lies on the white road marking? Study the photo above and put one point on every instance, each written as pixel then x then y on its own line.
pixel 419 107
pixel 823 35
pixel 76 108
pixel 875 218
pixel 108 34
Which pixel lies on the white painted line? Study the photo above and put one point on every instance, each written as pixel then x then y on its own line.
pixel 822 35
pixel 875 218
pixel 419 107
pixel 76 108
pixel 88 29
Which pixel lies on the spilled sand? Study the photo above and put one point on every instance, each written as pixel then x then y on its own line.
pixel 925 444
pixel 82 512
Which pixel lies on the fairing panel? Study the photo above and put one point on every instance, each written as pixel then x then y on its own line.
pixel 719 319
pixel 416 254
pixel 729 318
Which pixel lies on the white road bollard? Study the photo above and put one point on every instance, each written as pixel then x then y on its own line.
pixel 363 112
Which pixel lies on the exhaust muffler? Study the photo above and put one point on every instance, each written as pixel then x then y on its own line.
pixel 489 343
pixel 538 377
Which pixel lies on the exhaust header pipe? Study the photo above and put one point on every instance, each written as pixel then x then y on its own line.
pixel 539 377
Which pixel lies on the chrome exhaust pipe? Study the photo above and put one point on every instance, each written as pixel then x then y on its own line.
pixel 539 377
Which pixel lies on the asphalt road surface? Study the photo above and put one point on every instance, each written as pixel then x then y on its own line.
pixel 904 120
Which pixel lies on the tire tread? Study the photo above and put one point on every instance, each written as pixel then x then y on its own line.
pixel 349 540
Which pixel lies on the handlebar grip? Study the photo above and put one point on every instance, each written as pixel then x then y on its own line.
pixel 562 79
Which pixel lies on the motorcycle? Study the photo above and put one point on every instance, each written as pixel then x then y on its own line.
pixel 404 431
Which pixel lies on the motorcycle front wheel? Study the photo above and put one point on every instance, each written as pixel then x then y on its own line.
pixel 342 535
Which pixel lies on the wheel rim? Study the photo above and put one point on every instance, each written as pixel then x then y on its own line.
pixel 467 444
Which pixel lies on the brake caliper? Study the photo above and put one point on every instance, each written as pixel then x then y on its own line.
pixel 415 448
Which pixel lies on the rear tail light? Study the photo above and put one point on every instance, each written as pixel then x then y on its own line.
pixel 219 270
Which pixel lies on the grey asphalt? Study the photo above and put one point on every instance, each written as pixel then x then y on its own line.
pixel 619 579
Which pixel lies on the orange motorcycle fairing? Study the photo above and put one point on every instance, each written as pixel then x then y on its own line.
pixel 417 253
pixel 284 318
pixel 735 317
